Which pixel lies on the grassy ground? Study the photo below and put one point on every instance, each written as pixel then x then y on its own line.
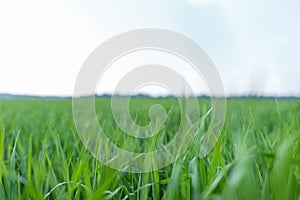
pixel 256 157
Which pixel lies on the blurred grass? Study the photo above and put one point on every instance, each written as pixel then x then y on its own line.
pixel 256 157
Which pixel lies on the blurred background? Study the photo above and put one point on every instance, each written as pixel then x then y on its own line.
pixel 254 44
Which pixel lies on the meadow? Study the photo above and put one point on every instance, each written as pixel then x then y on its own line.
pixel 256 157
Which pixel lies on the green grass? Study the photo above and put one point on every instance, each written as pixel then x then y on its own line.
pixel 256 157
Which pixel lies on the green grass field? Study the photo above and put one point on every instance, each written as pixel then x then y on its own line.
pixel 257 155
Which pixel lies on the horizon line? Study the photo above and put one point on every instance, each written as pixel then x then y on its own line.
pixel 36 96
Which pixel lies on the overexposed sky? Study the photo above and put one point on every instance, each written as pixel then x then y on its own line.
pixel 254 44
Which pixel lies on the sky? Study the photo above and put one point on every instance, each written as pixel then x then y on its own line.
pixel 254 44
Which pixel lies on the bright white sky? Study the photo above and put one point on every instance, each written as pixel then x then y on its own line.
pixel 254 44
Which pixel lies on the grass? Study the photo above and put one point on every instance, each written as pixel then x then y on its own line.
pixel 256 157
